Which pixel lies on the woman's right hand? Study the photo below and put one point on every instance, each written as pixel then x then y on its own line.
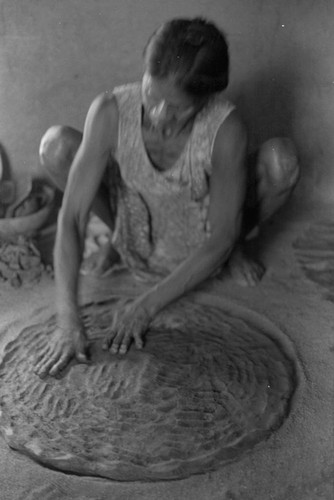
pixel 66 342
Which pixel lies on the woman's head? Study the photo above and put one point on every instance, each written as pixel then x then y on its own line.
pixel 191 51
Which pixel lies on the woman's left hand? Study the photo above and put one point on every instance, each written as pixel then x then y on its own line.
pixel 130 322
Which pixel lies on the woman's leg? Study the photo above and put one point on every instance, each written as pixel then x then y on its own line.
pixel 58 148
pixel 273 174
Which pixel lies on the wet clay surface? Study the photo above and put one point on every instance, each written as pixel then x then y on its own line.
pixel 315 254
pixel 208 386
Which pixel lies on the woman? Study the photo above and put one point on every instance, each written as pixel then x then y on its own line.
pixel 162 162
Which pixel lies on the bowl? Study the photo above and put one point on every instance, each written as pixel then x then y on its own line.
pixel 29 224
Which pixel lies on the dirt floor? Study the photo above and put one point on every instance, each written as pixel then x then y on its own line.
pixel 296 462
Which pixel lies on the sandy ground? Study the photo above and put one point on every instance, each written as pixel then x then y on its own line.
pixel 296 462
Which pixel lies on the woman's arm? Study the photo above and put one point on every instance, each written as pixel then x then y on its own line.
pixel 69 340
pixel 83 182
pixel 227 191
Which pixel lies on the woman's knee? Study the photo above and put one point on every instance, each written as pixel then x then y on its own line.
pixel 57 149
pixel 277 167
pixel 277 171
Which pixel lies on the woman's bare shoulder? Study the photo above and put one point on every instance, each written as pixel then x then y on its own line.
pixel 102 118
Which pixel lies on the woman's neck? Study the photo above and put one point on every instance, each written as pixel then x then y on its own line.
pixel 170 129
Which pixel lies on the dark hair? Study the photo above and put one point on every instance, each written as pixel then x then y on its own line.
pixel 194 51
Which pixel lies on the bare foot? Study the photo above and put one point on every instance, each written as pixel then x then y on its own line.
pixel 244 270
pixel 64 345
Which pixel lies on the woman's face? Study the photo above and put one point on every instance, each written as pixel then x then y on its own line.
pixel 164 102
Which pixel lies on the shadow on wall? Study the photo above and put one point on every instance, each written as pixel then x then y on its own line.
pixel 282 99
pixel 269 100
pixel 5 170
pixel 268 105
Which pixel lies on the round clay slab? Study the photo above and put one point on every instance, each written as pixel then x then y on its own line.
pixel 207 387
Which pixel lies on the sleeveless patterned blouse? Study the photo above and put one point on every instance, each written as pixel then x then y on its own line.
pixel 160 216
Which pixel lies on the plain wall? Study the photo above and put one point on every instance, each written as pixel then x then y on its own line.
pixel 56 56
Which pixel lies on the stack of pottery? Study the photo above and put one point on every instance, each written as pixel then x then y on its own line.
pixel 26 208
